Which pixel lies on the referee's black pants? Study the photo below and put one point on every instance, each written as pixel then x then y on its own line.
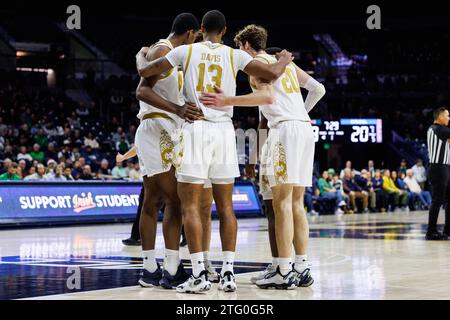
pixel 439 176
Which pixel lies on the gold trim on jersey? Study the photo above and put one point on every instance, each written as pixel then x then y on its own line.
pixel 232 62
pixel 211 47
pixel 188 59
pixel 180 80
pixel 168 73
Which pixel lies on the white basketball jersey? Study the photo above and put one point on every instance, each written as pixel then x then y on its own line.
pixel 288 100
pixel 168 86
pixel 206 65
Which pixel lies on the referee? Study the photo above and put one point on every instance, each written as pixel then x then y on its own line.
pixel 438 172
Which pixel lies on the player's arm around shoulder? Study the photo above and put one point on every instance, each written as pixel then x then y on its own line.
pixel 269 72
pixel 147 68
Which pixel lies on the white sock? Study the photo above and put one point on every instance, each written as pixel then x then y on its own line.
pixel 275 262
pixel 149 260
pixel 285 265
pixel 228 262
pixel 198 264
pixel 206 258
pixel 171 261
pixel 301 263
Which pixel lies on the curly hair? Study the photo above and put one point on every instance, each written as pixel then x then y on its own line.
pixel 255 35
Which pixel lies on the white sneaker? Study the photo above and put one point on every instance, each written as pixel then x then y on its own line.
pixel 278 281
pixel 339 212
pixel 227 282
pixel 213 275
pixel 342 204
pixel 270 269
pixel 195 284
pixel 304 278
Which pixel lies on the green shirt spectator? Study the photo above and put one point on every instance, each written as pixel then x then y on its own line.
pixel 322 184
pixel 37 154
pixel 41 139
pixel 11 174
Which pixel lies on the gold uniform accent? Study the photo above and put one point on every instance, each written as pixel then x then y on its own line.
pixel 279 164
pixel 217 78
pixel 290 82
pixel 188 59
pixel 232 62
pixel 166 147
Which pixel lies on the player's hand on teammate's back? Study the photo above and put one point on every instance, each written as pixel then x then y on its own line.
pixel 216 99
pixel 190 112
pixel 285 57
pixel 141 59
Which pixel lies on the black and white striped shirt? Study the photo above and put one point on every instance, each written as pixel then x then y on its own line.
pixel 438 145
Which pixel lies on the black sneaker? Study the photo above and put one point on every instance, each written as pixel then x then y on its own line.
pixel 435 236
pixel 170 282
pixel 131 242
pixel 150 279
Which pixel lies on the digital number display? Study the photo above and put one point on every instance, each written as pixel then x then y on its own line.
pixel 348 130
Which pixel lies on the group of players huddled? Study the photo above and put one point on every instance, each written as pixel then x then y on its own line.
pixel 186 146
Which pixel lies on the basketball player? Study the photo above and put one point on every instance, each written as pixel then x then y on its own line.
pixel 155 133
pixel 209 146
pixel 287 156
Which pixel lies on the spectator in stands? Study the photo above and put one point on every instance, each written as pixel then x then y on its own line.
pixel 117 135
pixel 104 172
pixel 337 183
pixel 8 152
pixel 77 170
pixel 119 172
pixel 51 153
pixel 31 171
pixel 328 192
pixel 399 197
pixel 39 175
pixel 41 138
pixel 403 167
pixel 122 146
pixel 23 168
pixel 135 172
pixel 37 154
pixel 414 188
pixel 11 174
pixel 23 154
pixel 348 165
pixel 354 191
pixel 87 173
pixel 6 163
pixel 90 140
pixel 68 175
pixel 377 185
pixel 57 175
pixel 420 173
pixel 371 167
pixel 365 182
pixel 66 152
pixel 51 165
pixel 401 185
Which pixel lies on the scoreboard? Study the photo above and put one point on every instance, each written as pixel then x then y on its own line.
pixel 348 130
